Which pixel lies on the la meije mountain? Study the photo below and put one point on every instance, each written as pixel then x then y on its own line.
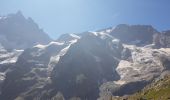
pixel 17 32
pixel 99 65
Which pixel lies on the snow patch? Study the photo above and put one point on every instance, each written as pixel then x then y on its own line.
pixel 40 46
pixel 120 82
pixel 2 17
pixel 55 43
pixel 54 59
pixel 115 41
pixel 10 57
pixel 2 76
pixel 110 30
pixel 94 33
pixel 75 36
pixel 73 41
pixel 10 60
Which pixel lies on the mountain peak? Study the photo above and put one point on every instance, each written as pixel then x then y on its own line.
pixel 17 32
pixel 130 33
pixel 17 16
pixel 19 13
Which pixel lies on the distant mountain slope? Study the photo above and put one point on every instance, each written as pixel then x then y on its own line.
pixel 134 34
pixel 17 32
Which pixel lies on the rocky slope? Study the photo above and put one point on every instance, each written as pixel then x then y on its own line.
pixel 138 70
pixel 159 89
pixel 83 66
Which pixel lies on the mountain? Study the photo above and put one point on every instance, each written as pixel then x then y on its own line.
pixel 134 34
pixel 17 32
pixel 50 59
pixel 86 66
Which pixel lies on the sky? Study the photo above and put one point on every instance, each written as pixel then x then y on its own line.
pixel 58 17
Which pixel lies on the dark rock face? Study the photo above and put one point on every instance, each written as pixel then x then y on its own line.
pixel 86 65
pixel 134 34
pixel 17 32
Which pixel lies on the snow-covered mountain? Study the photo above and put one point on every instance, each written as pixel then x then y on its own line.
pixel 86 66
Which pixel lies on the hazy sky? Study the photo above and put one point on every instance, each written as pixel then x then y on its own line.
pixel 72 16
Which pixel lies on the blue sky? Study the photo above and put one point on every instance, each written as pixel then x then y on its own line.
pixel 57 17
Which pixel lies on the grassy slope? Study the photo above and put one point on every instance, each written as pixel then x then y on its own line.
pixel 159 90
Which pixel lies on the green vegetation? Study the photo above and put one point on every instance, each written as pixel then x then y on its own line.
pixel 158 90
